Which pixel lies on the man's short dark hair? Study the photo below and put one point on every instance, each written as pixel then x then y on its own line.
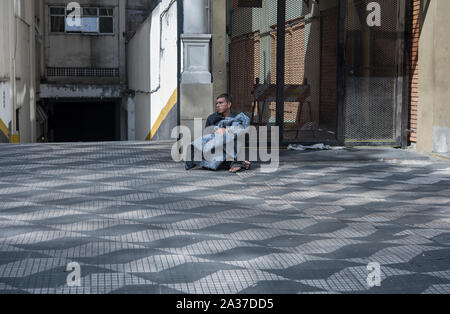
pixel 227 97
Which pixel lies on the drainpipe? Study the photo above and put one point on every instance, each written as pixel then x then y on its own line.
pixel 180 16
pixel 281 63
pixel 12 53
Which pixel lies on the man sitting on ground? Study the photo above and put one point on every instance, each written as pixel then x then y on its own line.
pixel 223 111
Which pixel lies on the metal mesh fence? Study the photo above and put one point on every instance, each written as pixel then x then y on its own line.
pixel 251 57
pixel 83 72
pixel 372 59
pixel 310 110
pixel 371 76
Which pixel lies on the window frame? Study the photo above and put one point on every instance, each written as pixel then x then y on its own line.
pixel 98 16
pixel 59 15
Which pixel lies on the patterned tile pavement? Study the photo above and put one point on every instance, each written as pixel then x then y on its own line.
pixel 136 222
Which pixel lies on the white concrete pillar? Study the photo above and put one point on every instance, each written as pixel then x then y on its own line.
pixel 196 82
pixel 195 19
pixel 196 43
pixel 196 59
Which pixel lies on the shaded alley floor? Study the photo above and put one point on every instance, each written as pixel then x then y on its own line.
pixel 136 222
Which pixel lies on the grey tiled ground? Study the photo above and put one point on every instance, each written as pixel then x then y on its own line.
pixel 138 223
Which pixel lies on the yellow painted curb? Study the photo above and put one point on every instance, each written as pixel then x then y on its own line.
pixel 440 157
pixel 4 128
pixel 163 115
pixel 15 139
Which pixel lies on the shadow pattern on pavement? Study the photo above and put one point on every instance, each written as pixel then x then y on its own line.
pixel 137 222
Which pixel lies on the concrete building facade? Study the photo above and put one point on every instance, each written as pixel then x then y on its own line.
pixel 21 47
pixel 153 75
pixel 363 79
pixel 371 84
pixel 79 73
pixel 83 89
pixel 136 69
pixel 183 48
pixel 433 121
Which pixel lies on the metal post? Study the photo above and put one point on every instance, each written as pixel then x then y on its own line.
pixel 13 53
pixel 406 100
pixel 32 31
pixel 179 56
pixel 341 72
pixel 281 62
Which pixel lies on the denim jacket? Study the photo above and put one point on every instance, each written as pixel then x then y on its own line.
pixel 235 125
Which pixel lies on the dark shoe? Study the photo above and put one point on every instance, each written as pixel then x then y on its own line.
pixel 190 165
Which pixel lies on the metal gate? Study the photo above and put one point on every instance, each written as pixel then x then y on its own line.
pixel 373 73
pixel 309 105
pixel 341 80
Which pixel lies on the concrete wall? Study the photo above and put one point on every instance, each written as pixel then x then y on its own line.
pixel 38 49
pixel 152 73
pixel 6 110
pixel 434 86
pixel 63 50
pixel 219 47
pixel 195 21
pixel 219 59
pixel 5 85
pixel 164 70
pixel 85 50
pixel 139 78
pixel 18 58
pixel 95 50
pixel 137 13
pixel 5 12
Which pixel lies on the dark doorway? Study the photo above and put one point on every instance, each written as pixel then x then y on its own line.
pixel 85 121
